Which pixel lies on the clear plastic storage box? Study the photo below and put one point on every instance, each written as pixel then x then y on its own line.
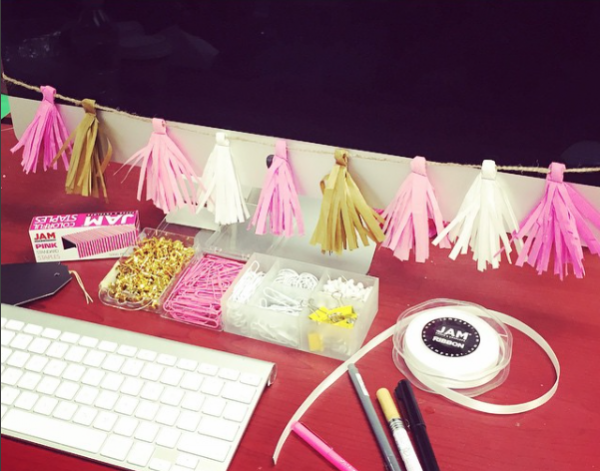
pixel 256 313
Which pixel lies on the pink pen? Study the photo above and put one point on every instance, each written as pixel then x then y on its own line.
pixel 323 448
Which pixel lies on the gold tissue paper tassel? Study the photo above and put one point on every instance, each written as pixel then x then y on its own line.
pixel 344 212
pixel 88 159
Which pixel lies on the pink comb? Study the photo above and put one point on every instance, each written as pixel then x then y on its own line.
pixel 46 133
pixel 168 173
pixel 559 222
pixel 279 199
pixel 407 216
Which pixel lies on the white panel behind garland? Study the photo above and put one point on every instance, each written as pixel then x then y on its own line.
pixel 378 176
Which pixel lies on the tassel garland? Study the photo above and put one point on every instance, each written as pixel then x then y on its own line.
pixel 558 224
pixel 45 135
pixel 168 173
pixel 278 200
pixel 407 216
pixel 483 221
pixel 222 192
pixel 344 212
pixel 88 158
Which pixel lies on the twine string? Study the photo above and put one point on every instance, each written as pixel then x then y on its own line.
pixel 505 168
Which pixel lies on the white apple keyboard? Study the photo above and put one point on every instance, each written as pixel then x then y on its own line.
pixel 122 398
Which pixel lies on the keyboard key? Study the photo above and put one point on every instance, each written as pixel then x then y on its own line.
pixel 11 376
pixel 3 321
pixel 14 325
pixel 39 345
pixel 113 363
pixel 55 368
pixel 3 410
pixel 94 358
pixel 208 369
pixel 18 359
pixel 5 354
pixel 36 364
pixel 127 351
pixel 146 355
pixel 191 381
pixel 93 377
pixel 187 461
pixel 33 329
pixel 168 437
pixel 51 333
pixel 132 386
pixel 88 342
pixel 74 372
pixel 156 464
pixel 146 432
pixel 167 360
pixel 86 395
pixel 188 421
pixel 187 364
pixel 152 391
pixel 29 381
pixel 65 410
pixel 106 400
pixel 167 415
pixel 7 337
pixel 171 376
pixel 214 406
pixel 48 385
pixel 9 395
pixel 116 447
pixel 26 400
pixel 54 431
pixel 69 337
pixel 85 416
pixel 239 392
pixel 112 382
pixel 250 379
pixel 151 372
pixel 67 390
pixel 57 350
pixel 76 354
pixel 218 428
pixel 105 421
pixel 235 411
pixel 106 346
pixel 228 373
pixel 140 454
pixel 132 367
pixel 212 386
pixel 172 396
pixel 126 426
pixel 21 341
pixel 45 405
pixel 126 405
pixel 146 410
pixel 203 446
pixel 192 401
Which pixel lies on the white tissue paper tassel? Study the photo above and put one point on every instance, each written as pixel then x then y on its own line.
pixel 483 221
pixel 222 193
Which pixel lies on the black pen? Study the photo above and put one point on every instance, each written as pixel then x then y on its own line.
pixel 406 396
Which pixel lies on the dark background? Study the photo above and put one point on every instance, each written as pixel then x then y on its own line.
pixel 456 81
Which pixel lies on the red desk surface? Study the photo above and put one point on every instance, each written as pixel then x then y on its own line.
pixel 562 435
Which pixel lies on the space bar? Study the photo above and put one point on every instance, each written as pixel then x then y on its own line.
pixel 56 431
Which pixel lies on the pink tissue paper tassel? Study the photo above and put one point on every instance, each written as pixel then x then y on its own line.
pixel 46 133
pixel 278 200
pixel 169 176
pixel 407 216
pixel 559 222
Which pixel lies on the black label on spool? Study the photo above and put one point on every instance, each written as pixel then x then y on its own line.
pixel 450 337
